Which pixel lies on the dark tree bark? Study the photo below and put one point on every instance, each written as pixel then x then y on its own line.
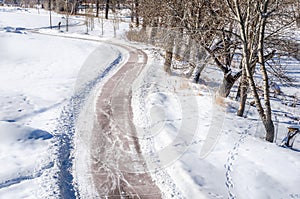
pixel 227 83
pixel 298 21
pixel 169 53
pixel 50 10
pixel 244 85
pixel 195 77
pixel 132 12
pixel 269 126
pixel 137 13
pixel 97 8
pixel 225 87
pixel 238 93
pixel 106 9
pixel 168 61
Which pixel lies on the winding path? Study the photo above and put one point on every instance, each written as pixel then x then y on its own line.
pixel 118 167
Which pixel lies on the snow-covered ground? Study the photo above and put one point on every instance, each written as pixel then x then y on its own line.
pixel 194 144
pixel 199 148
pixel 40 74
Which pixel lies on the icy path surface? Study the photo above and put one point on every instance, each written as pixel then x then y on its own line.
pixel 71 122
pixel 118 168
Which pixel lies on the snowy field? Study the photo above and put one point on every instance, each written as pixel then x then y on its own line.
pixel 240 164
pixel 39 74
pixel 42 79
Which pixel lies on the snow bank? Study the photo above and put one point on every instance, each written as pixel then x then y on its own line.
pixel 23 157
pixel 239 164
pixel 37 77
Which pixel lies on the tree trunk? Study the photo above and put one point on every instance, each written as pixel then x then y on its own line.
pixel 169 53
pixel 243 89
pixel 238 93
pixel 106 9
pixel 132 12
pixel 75 8
pixel 168 61
pixel 201 62
pixel 243 99
pixel 137 13
pixel 269 127
pixel 67 23
pixel 50 9
pixel 97 8
pixel 196 74
pixel 227 84
pixel 225 87
pixel 244 85
pixel 298 21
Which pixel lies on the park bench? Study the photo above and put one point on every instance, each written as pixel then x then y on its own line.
pixel 288 141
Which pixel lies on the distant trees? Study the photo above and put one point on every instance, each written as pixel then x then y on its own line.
pixel 200 22
pixel 73 6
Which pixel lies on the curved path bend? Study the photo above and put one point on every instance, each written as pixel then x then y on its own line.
pixel 118 167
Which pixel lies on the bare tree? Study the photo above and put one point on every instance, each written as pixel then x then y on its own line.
pixel 255 27
pixel 240 36
pixel 207 23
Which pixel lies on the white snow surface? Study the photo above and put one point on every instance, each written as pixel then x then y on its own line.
pixel 175 118
pixel 239 165
pixel 39 75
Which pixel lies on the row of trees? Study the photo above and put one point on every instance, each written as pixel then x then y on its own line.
pixel 89 8
pixel 74 6
pixel 244 38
